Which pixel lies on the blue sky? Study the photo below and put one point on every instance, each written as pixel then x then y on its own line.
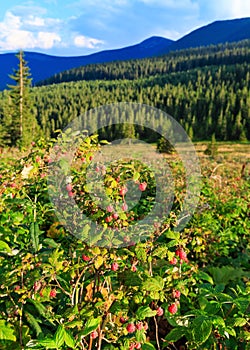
pixel 79 27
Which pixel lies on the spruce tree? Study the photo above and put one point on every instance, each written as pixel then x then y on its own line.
pixel 22 125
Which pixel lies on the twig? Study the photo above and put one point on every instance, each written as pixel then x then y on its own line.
pixel 156 334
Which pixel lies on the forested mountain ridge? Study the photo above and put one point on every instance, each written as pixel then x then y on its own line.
pixel 44 66
pixel 207 90
pixel 179 61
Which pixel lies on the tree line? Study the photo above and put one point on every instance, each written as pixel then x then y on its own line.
pixel 205 89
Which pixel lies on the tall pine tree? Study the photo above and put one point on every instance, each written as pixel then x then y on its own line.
pixel 22 124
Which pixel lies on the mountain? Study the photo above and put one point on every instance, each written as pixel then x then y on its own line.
pixel 213 33
pixel 43 66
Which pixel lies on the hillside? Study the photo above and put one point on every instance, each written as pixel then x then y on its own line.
pixel 214 33
pixel 205 89
pixel 179 61
pixel 43 66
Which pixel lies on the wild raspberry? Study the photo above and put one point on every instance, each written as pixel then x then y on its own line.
pixel 176 293
pixel 138 346
pixel 173 308
pixel 114 266
pixel 173 261
pixel 52 293
pixel 131 328
pixel 122 320
pixel 159 311
pixel 85 257
pixel 94 335
pixel 69 187
pixel 133 268
pixel 139 326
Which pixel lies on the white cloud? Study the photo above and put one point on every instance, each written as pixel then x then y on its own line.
pixel 15 33
pixel 90 43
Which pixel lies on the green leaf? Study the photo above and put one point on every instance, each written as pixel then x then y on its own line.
pixel 201 329
pixel 34 234
pixel 144 312
pixel 136 176
pixel 172 235
pixel 175 334
pixel 73 324
pixel 91 325
pixel 33 323
pixel 154 284
pixel 6 331
pixel 4 247
pixel 59 336
pixel 148 346
pixel 50 242
pixel 48 343
pixel 204 276
pixel 68 338
pixel 239 322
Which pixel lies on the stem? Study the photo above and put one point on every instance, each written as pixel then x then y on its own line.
pixel 90 343
pixel 156 334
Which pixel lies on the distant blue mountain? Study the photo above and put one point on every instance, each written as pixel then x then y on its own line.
pixel 44 66
pixel 212 34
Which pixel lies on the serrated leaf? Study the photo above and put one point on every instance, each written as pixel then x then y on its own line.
pixel 204 276
pixel 4 247
pixel 6 331
pixel 148 346
pixel 91 325
pixel 144 312
pixel 68 338
pixel 201 329
pixel 34 235
pixel 136 176
pixel 73 324
pixel 33 323
pixel 98 262
pixel 239 322
pixel 175 334
pixel 59 336
pixel 48 343
pixel 172 235
pixel 154 284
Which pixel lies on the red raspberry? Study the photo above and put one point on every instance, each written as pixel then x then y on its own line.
pixel 131 328
pixel 37 286
pixel 176 293
pixel 52 293
pixel 173 261
pixel 173 308
pixel 142 186
pixel 70 194
pixel 139 326
pixel 69 187
pixel 138 346
pixel 108 219
pixel 85 257
pixel 123 191
pixel 133 268
pixel 114 266
pixel 122 320
pixel 159 311
pixel 94 335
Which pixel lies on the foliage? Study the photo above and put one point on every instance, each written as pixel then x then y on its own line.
pixel 58 292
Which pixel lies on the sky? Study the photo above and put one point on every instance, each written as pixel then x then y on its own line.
pixel 81 27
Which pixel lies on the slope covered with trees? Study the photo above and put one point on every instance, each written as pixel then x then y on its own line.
pixel 205 89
